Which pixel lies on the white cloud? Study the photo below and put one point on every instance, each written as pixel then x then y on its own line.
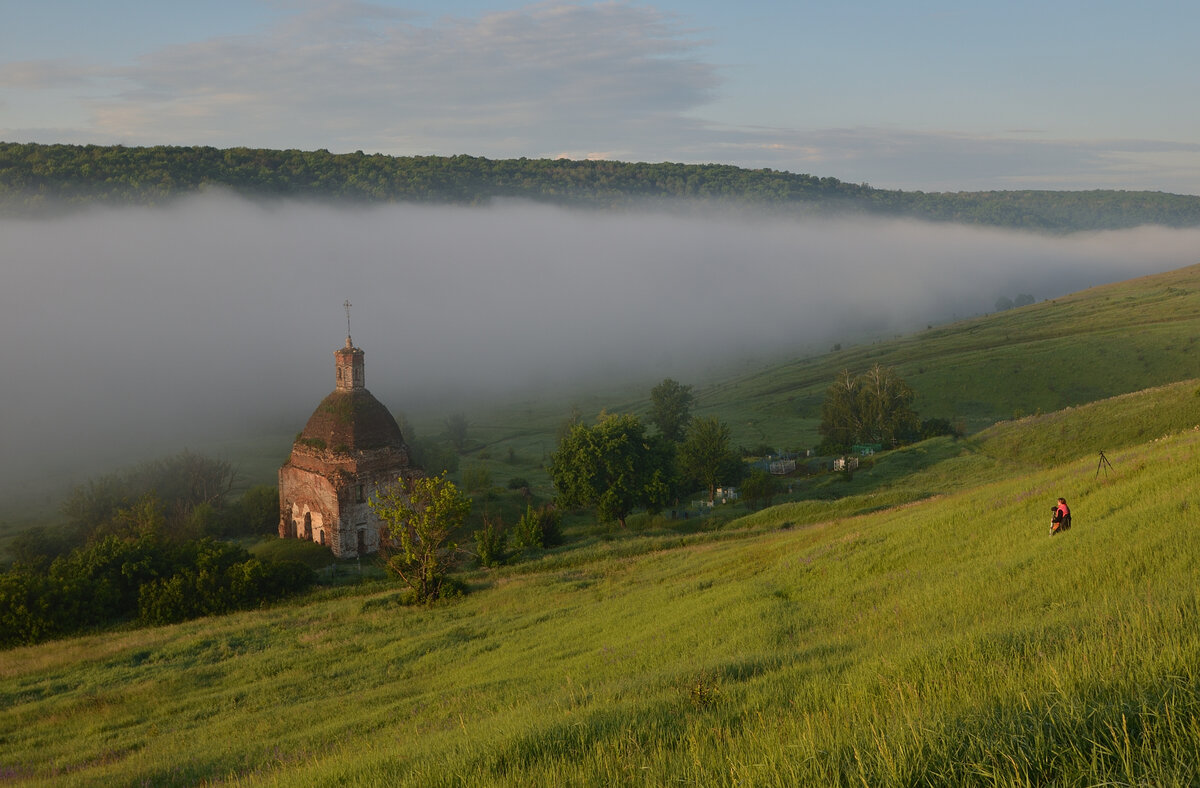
pixel 43 74
pixel 349 76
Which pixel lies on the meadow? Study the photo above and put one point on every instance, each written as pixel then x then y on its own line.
pixel 921 627
pixel 1039 359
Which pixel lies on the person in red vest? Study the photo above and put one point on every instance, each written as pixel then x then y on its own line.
pixel 1061 519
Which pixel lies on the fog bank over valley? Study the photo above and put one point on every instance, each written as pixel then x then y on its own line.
pixel 148 330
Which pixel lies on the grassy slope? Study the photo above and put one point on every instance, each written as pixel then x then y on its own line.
pixel 944 640
pixel 1097 343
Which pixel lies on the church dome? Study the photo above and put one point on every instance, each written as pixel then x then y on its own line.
pixel 351 420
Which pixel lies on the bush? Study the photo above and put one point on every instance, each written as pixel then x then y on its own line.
pixel 759 488
pixel 149 578
pixel 932 428
pixel 42 544
pixel 490 542
pixel 537 529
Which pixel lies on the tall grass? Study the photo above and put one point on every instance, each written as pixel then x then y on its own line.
pixel 944 640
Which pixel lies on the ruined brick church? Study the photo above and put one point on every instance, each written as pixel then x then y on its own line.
pixel 350 446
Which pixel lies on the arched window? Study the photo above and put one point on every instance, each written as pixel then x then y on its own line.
pixel 308 525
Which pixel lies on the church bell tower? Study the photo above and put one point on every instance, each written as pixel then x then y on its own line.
pixel 350 375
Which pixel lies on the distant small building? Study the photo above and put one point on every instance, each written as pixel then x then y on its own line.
pixel 350 446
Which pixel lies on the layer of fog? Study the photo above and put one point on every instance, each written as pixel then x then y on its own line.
pixel 134 330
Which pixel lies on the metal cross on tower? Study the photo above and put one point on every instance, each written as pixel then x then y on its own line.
pixel 347 304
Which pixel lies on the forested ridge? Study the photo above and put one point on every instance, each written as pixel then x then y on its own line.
pixel 37 178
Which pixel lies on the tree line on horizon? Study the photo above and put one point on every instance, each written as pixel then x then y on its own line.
pixel 37 178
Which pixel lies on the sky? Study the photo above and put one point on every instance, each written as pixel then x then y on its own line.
pixel 927 94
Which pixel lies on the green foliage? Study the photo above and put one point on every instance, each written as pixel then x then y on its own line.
pixel 518 483
pixel 537 529
pixel 37 178
pixel 43 544
pixel 708 457
pixel 490 542
pixel 932 428
pixel 758 488
pixel 873 407
pixel 142 518
pixel 145 578
pixel 183 496
pixel 670 408
pixel 213 578
pixel 612 466
pixel 158 496
pixel 256 512
pixel 421 515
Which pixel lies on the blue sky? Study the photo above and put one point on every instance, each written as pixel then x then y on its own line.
pixel 916 95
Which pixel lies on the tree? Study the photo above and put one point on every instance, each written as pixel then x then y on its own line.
pixel 456 430
pixel 180 483
pixel 759 487
pixel 870 408
pixel 670 408
pixel 841 419
pixel 611 466
pixel 707 455
pixel 421 515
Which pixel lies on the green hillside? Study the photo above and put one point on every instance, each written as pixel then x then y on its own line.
pixel 1097 343
pixel 921 629
pixel 39 179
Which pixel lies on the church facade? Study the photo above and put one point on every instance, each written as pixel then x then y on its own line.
pixel 350 447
